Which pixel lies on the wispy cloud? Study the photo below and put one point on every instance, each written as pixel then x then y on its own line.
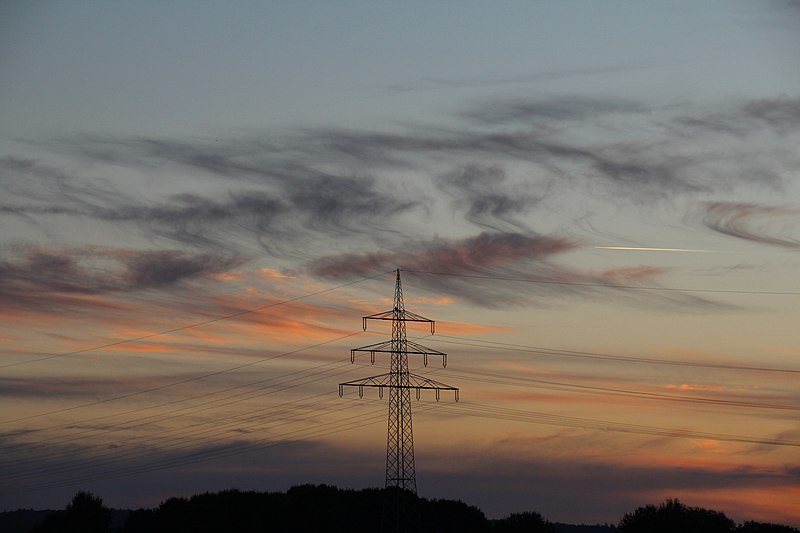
pixel 551 110
pixel 306 195
pixel 448 267
pixel 40 278
pixel 777 226
pixel 279 203
pixel 779 115
pixel 481 193
pixel 338 182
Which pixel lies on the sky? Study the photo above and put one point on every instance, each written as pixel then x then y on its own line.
pixel 598 203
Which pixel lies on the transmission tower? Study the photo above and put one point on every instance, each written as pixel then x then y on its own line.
pixel 399 381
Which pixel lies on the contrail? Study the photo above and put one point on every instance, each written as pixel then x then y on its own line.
pixel 646 249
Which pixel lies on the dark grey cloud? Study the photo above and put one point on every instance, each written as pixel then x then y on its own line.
pixel 225 158
pixel 636 152
pixel 20 175
pixel 633 169
pixel 204 222
pixel 481 193
pixel 571 488
pixel 48 187
pixel 482 253
pixel 780 115
pixel 454 268
pixel 579 490
pixel 84 388
pixel 334 182
pixel 554 109
pixel 160 268
pixel 490 270
pixel 773 225
pixel 289 193
pixel 135 471
pixel 273 199
pixel 46 279
pixel 346 205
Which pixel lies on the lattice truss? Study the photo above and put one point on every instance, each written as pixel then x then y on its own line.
pixel 400 382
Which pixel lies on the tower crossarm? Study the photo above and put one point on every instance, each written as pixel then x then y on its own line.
pixel 401 315
pixel 383 381
pixel 411 348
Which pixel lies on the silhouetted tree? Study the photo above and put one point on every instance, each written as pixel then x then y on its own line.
pixel 84 514
pixel 87 514
pixel 452 516
pixel 672 516
pixel 309 508
pixel 764 527
pixel 528 522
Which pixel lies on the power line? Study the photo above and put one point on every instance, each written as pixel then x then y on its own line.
pixel 599 285
pixel 195 324
pixel 197 456
pixel 463 408
pixel 192 409
pixel 478 376
pixel 479 343
pixel 489 377
pixel 180 438
pixel 289 437
pixel 518 415
pixel 181 382
pixel 189 437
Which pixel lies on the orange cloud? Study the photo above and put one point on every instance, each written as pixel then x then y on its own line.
pixel 691 387
pixel 228 276
pixel 268 273
pixel 723 460
pixel 139 347
pixel 537 397
pixel 774 503
pixel 619 275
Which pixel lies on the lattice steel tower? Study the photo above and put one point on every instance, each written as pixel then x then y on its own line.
pixel 400 439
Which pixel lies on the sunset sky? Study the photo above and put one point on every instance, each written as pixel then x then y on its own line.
pixel 598 202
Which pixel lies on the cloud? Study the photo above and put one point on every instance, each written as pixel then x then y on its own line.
pixel 634 169
pixel 484 253
pixel 626 149
pixel 452 268
pixel 203 222
pixel 481 253
pixel 284 191
pixel 63 387
pixel 777 226
pixel 780 115
pixel 283 200
pixel 314 194
pixel 557 471
pixel 553 109
pixel 55 279
pixel 481 192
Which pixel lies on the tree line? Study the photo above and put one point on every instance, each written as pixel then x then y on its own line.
pixel 331 509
